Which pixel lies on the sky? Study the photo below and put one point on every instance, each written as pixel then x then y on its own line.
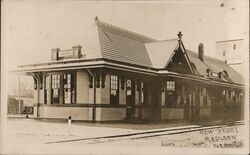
pixel 30 28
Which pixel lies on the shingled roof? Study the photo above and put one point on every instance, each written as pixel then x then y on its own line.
pixel 122 45
pixel 214 65
pixel 126 46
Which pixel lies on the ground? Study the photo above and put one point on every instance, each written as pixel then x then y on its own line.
pixel 25 134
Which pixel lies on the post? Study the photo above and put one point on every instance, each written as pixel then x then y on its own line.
pixel 69 125
pixel 38 96
pixel 140 100
pixel 19 100
pixel 69 120
pixel 94 105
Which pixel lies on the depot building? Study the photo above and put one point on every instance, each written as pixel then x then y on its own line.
pixel 117 74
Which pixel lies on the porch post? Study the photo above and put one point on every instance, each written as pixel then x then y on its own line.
pixel 36 78
pixel 140 100
pixel 93 75
pixel 94 106
pixel 19 102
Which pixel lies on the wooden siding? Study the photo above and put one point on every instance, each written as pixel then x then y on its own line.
pixel 109 114
pixel 76 113
pixel 172 113
pixel 98 95
pixel 105 92
pixel 82 88
pixel 41 96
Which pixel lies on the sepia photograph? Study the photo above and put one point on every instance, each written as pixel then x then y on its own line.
pixel 124 77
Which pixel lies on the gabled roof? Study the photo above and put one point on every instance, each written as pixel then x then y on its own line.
pixel 122 45
pixel 161 51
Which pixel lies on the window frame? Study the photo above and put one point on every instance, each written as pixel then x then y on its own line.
pixel 171 96
pixel 170 85
pixel 114 86
pixel 55 87
pixel 47 83
pixel 68 81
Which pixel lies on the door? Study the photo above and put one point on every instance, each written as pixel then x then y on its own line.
pixel 130 99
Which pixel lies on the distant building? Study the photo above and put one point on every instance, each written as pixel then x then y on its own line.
pixel 123 75
pixel 231 51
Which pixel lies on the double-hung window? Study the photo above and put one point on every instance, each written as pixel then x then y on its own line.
pixel 47 91
pixel 114 89
pixel 55 88
pixel 170 85
pixel 171 99
pixel 69 90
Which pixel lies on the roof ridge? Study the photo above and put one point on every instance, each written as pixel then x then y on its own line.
pixel 228 40
pixel 124 30
pixel 160 41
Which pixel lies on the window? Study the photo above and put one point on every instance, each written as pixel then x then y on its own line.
pixel 114 91
pixel 69 90
pixel 142 92
pixel 224 53
pixel 224 92
pixel 225 73
pixel 233 93
pixel 170 85
pixel 129 86
pixel 46 93
pixel 114 85
pixel 234 47
pixel 55 88
pixel 170 97
pixel 55 81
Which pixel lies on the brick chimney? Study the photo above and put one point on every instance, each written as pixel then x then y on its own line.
pixel 54 54
pixel 201 52
pixel 77 51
